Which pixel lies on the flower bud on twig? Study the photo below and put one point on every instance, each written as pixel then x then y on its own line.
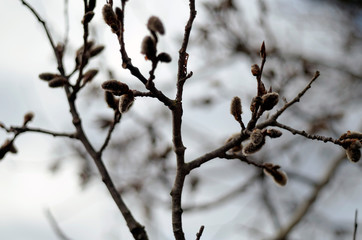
pixel 148 47
pixel 28 117
pixel 57 82
pixel 89 75
pixel 269 100
pixel 96 50
pixel 262 51
pixel 273 133
pixel 88 17
pixel 164 57
pixel 255 70
pixel 257 137
pixel 125 102
pixel 154 24
pixel 278 176
pixel 110 17
pixel 111 101
pixel 353 151
pixel 116 87
pixel 48 76
pixel 236 108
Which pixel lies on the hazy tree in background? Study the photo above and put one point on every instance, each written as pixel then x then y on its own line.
pixel 226 41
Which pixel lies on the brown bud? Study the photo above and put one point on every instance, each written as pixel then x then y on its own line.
pixel 8 146
pixel 236 108
pixel 350 134
pixel 116 87
pixel 278 176
pixel 262 51
pixel 57 82
pixel 89 75
pixel 255 70
pixel 353 151
pixel 96 50
pixel 28 117
pixel 48 76
pixel 164 57
pixel 269 100
pixel 125 102
pixel 111 101
pixel 148 47
pixel 256 101
pixel 88 17
pixel 251 148
pixel 273 133
pixel 119 14
pixel 154 24
pixel 109 16
pixel 257 137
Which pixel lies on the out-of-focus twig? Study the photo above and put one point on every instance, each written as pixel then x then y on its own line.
pixel 55 226
pixel 306 205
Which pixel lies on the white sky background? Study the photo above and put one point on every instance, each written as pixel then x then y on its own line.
pixel 26 186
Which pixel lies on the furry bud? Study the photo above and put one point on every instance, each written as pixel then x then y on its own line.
pixel 236 109
pixel 88 17
pixel 8 146
pixel 96 50
pixel 257 137
pixel 353 151
pixel 57 82
pixel 48 76
pixel 125 102
pixel 262 51
pixel 148 47
pixel 119 14
pixel 273 133
pixel 278 176
pixel 154 24
pixel 116 87
pixel 256 101
pixel 89 75
pixel 111 101
pixel 269 100
pixel 28 117
pixel 255 70
pixel 251 148
pixel 164 57
pixel 110 17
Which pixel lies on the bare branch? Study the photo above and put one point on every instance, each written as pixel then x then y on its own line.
pixel 310 136
pixel 199 234
pixel 18 130
pixel 116 119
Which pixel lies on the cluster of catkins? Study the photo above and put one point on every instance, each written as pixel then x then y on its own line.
pixel 116 88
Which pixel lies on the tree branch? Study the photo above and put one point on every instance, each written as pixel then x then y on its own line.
pixel 55 225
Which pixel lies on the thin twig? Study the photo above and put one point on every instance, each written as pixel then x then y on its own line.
pixel 51 41
pixel 307 135
pixel 355 225
pixel 116 119
pixel 66 22
pixel 199 234
pixel 55 226
pixel 23 129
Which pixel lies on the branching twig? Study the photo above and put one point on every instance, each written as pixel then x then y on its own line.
pixel 116 119
pixel 179 148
